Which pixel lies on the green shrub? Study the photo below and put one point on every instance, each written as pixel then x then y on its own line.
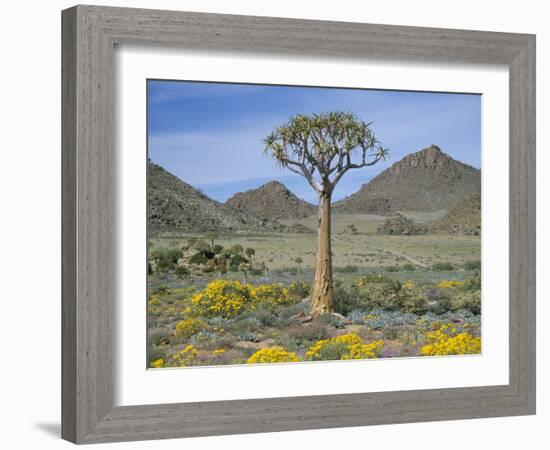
pixel 159 336
pixel 299 290
pixel 345 299
pixel 377 291
pixel 188 327
pixel 391 269
pixel 154 354
pixel 165 259
pixel 472 283
pixel 217 249
pixel 263 315
pixel 306 334
pixel 331 321
pixel 409 267
pixel 411 300
pixel 472 265
pixel 248 324
pixel 332 351
pixel 346 269
pixel 237 260
pixel 181 271
pixel 443 266
pixel 468 300
pixel 202 257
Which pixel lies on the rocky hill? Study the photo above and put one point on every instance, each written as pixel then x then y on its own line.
pixel 176 206
pixel 464 218
pixel 272 201
pixel 428 180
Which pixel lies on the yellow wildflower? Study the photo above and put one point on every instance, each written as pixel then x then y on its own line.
pixel 352 345
pixel 272 355
pixel 158 363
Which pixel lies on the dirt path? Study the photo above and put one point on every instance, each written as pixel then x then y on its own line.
pixel 408 258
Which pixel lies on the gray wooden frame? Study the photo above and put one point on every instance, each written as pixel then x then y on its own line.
pixel 89 36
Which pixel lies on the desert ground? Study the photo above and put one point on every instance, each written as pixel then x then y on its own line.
pixel 395 296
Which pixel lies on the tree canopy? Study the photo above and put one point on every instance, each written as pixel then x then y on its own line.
pixel 323 147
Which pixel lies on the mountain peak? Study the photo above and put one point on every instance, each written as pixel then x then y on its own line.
pixel 271 201
pixel 427 180
pixel 274 184
pixel 430 158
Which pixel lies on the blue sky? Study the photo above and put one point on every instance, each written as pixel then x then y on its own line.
pixel 210 134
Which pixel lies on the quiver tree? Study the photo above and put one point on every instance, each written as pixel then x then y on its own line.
pixel 250 252
pixel 322 148
pixel 298 261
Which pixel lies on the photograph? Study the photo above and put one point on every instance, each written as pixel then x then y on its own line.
pixel 259 226
pixel 301 224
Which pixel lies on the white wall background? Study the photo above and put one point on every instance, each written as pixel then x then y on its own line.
pixel 30 222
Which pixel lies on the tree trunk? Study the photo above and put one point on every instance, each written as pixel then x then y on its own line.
pixel 322 289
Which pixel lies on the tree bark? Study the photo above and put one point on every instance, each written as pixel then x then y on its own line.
pixel 322 289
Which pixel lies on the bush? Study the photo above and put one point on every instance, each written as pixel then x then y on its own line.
pixel 222 298
pixel 272 355
pixel 237 260
pixel 468 300
pixel 227 298
pixel 293 310
pixel 309 333
pixel 185 357
pixel 271 296
pixel 473 283
pixel 446 341
pixel 391 269
pixel 153 355
pixel 181 271
pixel 435 295
pixel 411 300
pixel 188 327
pixel 449 284
pixel 443 266
pixel 201 257
pixel 165 259
pixel 299 290
pixel 380 292
pixel 159 336
pixel 357 316
pixel 346 346
pixel 381 320
pixel 332 321
pixel 409 267
pixel 265 316
pixel 249 336
pixel 377 291
pixel 472 265
pixel 346 269
pixel 246 324
pixel 345 299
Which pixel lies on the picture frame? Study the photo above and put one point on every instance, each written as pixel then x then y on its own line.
pixel 89 37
